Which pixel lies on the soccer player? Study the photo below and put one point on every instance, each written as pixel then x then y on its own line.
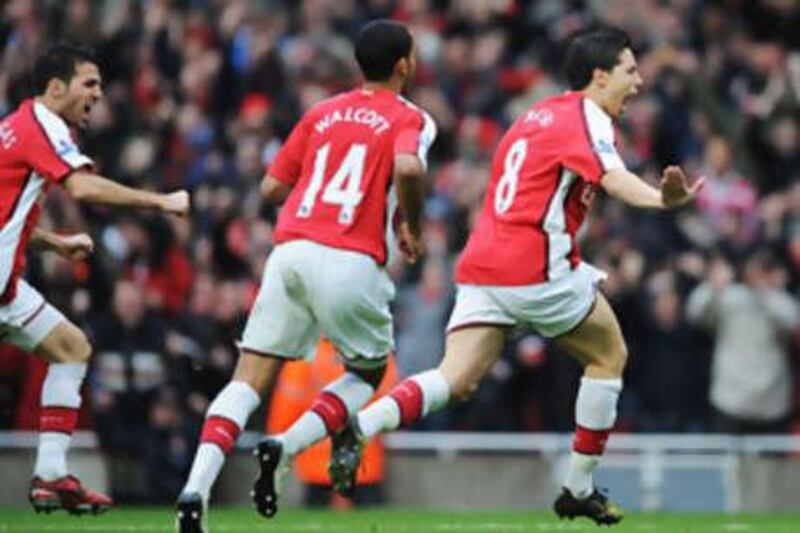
pixel 36 152
pixel 342 172
pixel 521 265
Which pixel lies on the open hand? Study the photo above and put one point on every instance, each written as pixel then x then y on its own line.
pixel 75 247
pixel 675 188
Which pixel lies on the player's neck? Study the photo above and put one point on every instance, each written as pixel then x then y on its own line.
pixel 596 95
pixel 390 85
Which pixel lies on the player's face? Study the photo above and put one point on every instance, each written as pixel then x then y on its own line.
pixel 84 90
pixel 623 83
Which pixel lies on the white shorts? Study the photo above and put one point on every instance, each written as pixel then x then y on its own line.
pixel 28 318
pixel 308 289
pixel 551 309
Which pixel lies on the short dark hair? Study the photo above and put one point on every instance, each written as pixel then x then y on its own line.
pixel 379 46
pixel 60 61
pixel 596 48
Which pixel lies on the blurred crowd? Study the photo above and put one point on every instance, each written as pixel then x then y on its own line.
pixel 200 93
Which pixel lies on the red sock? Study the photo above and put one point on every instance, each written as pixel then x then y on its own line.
pixel 57 419
pixel 332 410
pixel 408 395
pixel 220 431
pixel 590 441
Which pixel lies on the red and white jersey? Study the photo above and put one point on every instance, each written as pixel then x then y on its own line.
pixel 339 160
pixel 36 149
pixel 545 172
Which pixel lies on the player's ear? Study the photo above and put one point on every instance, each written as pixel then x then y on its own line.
pixel 403 67
pixel 600 77
pixel 56 87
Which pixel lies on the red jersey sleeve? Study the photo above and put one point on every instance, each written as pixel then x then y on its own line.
pixel 289 162
pixel 50 149
pixel 416 135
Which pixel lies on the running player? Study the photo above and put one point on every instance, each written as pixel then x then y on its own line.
pixel 36 152
pixel 522 267
pixel 342 172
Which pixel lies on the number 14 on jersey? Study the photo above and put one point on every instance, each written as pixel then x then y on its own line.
pixel 343 189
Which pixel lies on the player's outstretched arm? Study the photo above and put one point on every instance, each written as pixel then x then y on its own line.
pixel 409 180
pixel 674 190
pixel 274 190
pixel 74 247
pixel 89 187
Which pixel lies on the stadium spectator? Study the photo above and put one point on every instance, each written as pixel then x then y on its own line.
pixel 421 314
pixel 666 360
pixel 753 320
pixel 128 370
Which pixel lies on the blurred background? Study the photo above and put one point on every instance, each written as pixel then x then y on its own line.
pixel 200 94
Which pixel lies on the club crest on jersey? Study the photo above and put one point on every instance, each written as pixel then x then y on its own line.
pixel 65 147
pixel 602 146
pixel 543 117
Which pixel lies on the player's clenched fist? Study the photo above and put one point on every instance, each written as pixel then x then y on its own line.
pixel 410 244
pixel 75 247
pixel 176 203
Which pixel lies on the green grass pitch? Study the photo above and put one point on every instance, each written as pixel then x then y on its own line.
pixel 390 520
